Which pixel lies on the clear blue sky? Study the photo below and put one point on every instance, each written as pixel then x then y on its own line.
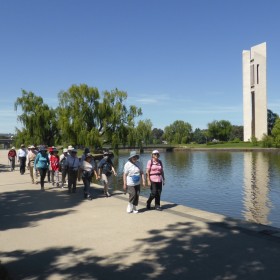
pixel 176 59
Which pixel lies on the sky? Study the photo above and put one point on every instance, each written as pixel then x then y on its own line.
pixel 176 59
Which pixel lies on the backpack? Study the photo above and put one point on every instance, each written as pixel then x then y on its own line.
pixel 106 167
pixel 62 164
pixel 159 161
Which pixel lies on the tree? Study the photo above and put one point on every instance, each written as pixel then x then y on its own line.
pixel 157 134
pixel 78 115
pixel 271 119
pixel 87 120
pixel 220 130
pixel 199 136
pixel 39 121
pixel 144 131
pixel 236 133
pixel 178 133
pixel 276 132
pixel 114 116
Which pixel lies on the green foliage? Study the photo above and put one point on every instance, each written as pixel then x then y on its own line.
pixel 267 141
pixel 236 132
pixel 220 130
pixel 271 119
pixel 254 141
pixel 39 121
pixel 199 136
pixel 157 136
pixel 144 131
pixel 178 133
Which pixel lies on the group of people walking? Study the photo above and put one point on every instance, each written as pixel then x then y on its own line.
pixel 43 161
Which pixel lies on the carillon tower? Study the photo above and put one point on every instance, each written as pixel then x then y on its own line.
pixel 254 92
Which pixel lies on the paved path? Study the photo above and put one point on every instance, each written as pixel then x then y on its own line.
pixel 53 235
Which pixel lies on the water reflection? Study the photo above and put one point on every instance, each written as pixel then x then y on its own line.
pixel 256 180
pixel 243 185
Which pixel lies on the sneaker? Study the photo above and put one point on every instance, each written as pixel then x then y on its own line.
pixel 129 208
pixel 107 194
pixel 158 208
pixel 135 211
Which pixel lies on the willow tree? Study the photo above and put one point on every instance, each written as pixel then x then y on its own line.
pixel 87 120
pixel 78 115
pixel 115 117
pixel 220 130
pixel 38 120
pixel 178 132
pixel 144 132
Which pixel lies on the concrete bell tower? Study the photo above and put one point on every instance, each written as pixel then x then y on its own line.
pixel 254 92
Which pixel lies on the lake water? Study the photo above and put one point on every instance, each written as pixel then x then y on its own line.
pixel 243 185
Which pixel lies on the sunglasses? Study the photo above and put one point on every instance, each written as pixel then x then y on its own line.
pixel 156 154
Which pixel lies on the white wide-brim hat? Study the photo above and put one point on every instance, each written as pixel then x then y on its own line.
pixel 133 154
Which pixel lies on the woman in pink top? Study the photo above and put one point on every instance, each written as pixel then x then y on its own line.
pixel 155 177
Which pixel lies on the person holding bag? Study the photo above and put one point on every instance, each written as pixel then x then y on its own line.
pixel 87 171
pixel 133 176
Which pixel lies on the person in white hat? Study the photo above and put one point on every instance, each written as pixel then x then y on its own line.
pixel 31 155
pixel 72 164
pixel 133 176
pixel 155 178
pixel 87 172
pixel 21 154
pixel 62 166
pixel 12 154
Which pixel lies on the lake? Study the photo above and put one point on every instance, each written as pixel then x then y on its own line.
pixel 243 185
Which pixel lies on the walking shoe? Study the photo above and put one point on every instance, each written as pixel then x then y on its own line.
pixel 129 208
pixel 135 211
pixel 107 194
pixel 148 206
pixel 158 208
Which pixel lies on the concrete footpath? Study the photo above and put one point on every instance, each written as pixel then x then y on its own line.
pixel 53 235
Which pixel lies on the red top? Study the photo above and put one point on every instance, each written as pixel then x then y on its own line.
pixel 54 161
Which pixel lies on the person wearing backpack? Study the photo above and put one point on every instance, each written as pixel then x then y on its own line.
pixel 155 178
pixel 12 154
pixel 105 170
pixel 41 164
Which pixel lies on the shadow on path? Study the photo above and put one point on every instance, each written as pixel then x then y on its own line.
pixel 180 251
pixel 26 207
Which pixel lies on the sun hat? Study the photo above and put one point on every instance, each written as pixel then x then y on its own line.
pixel 22 145
pixel 43 148
pixel 70 148
pixel 155 152
pixel 133 154
pixel 65 150
pixel 88 155
pixel 32 147
pixel 13 148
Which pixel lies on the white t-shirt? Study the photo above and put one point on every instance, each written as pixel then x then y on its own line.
pixel 133 173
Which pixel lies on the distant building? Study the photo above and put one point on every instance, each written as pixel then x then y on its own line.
pixel 254 92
